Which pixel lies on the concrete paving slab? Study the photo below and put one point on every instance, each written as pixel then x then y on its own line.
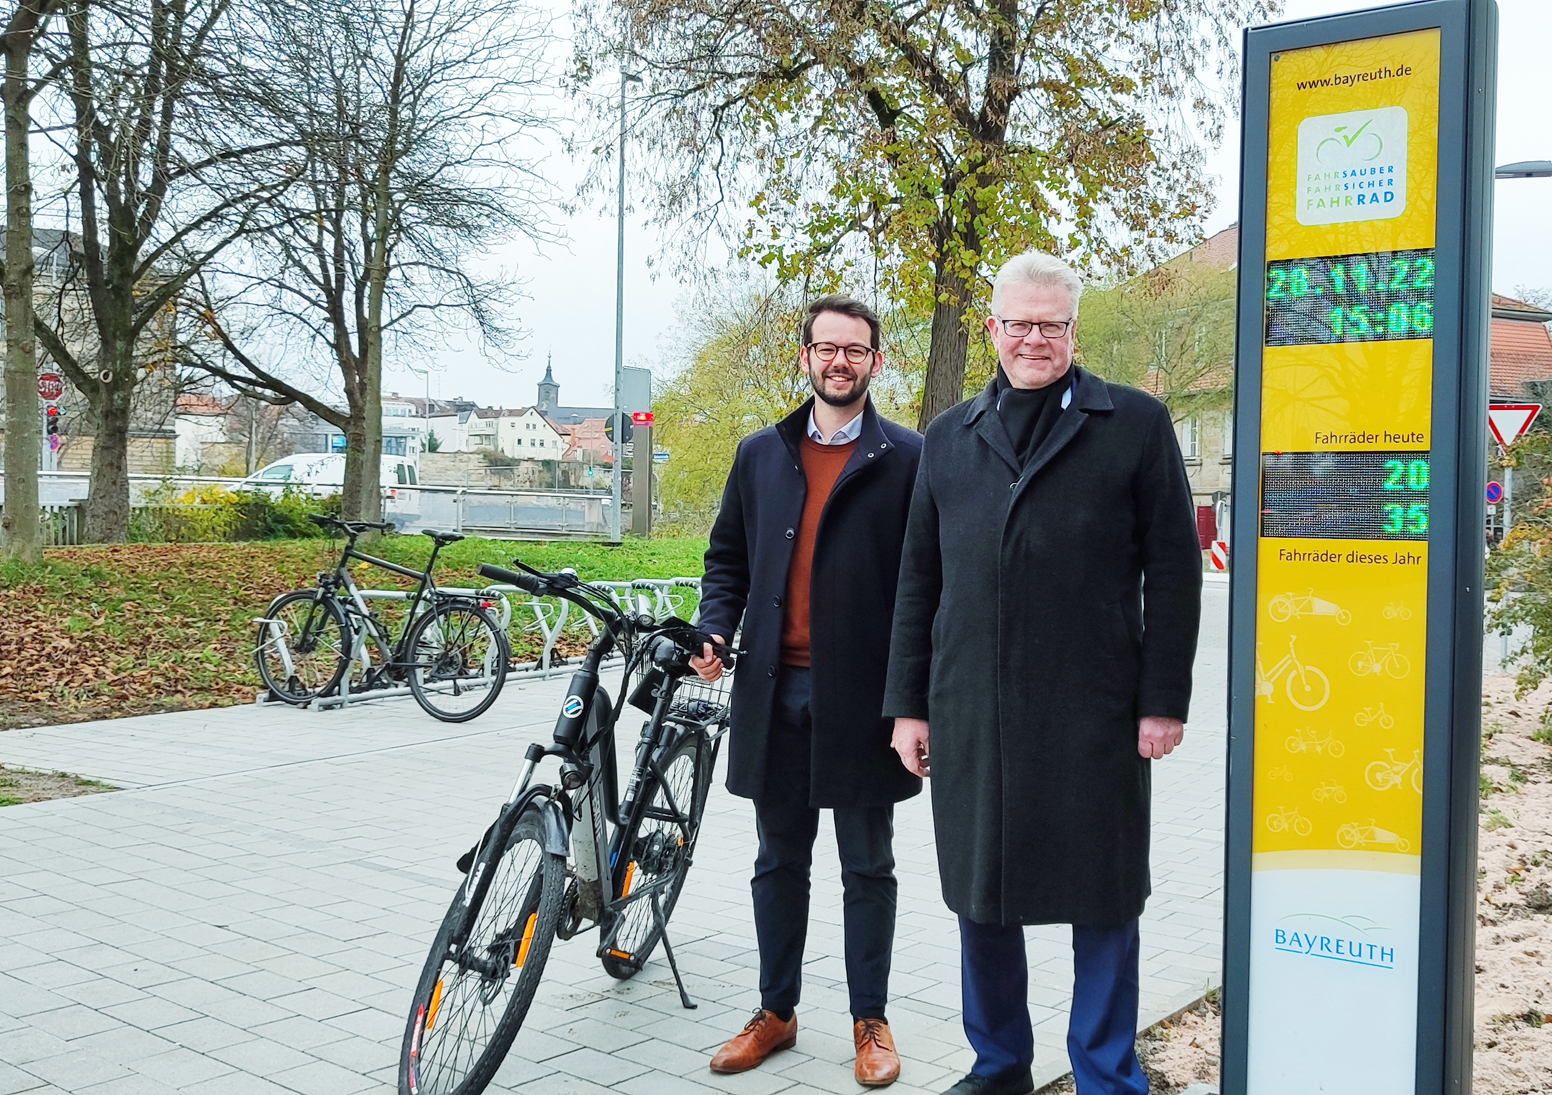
pixel 249 915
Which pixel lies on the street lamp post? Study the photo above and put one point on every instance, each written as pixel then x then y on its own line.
pixel 619 330
pixel 1524 169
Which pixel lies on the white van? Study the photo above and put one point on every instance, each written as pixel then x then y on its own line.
pixel 323 473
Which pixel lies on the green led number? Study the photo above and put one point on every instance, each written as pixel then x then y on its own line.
pixel 1395 474
pixel 1423 278
pixel 1422 316
pixel 1399 269
pixel 1417 478
pixel 1395 518
pixel 1339 278
pixel 1361 277
pixel 1399 318
pixel 1417 518
pixel 1274 291
pixel 1299 284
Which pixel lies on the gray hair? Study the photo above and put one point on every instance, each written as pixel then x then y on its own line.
pixel 1037 268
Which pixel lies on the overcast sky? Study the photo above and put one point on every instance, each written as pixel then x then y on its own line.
pixel 569 310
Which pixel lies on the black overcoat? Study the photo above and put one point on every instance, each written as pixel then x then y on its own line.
pixel 852 599
pixel 1022 634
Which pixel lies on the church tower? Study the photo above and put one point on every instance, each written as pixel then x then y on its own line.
pixel 549 391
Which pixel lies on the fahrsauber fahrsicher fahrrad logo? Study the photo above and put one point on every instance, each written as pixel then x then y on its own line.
pixel 1353 166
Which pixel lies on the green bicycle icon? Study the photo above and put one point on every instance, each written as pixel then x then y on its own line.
pixel 1359 142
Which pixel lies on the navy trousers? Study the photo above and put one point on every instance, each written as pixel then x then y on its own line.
pixel 1102 1030
pixel 787 826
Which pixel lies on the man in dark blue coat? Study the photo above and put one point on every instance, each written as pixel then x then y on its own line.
pixel 1050 591
pixel 806 552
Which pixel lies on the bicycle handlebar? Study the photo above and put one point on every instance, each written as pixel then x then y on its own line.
pixel 355 528
pixel 525 582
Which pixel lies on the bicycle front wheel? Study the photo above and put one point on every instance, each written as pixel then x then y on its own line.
pixel 471 1000
pixel 302 646
pixel 458 661
pixel 659 839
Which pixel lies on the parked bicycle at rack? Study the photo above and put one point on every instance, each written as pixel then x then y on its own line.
pixel 628 854
pixel 450 650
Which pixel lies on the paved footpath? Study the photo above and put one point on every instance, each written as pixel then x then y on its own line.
pixel 250 913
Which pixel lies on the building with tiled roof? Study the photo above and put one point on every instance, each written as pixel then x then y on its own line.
pixel 1521 350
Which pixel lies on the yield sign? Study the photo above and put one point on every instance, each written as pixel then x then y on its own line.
pixel 1509 421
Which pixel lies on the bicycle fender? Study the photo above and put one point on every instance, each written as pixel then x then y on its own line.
pixel 557 833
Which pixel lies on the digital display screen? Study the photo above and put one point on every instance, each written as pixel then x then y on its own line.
pixel 1383 295
pixel 1345 495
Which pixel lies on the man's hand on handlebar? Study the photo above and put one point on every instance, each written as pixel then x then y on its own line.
pixel 707 665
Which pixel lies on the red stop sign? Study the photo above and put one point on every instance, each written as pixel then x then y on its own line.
pixel 50 387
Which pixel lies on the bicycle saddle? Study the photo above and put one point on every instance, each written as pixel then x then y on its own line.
pixel 442 537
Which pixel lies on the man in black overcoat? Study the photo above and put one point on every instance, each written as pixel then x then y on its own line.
pixel 1044 634
pixel 806 551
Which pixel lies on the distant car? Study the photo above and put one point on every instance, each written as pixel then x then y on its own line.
pixel 323 473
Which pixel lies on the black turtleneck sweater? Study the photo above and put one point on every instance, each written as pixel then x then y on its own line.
pixel 1029 413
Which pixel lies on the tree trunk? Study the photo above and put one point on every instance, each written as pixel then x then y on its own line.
pixel 21 536
pixel 107 502
pixel 949 346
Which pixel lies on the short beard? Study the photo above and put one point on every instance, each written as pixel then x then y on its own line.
pixel 858 392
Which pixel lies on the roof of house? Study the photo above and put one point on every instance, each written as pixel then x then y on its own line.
pixel 197 403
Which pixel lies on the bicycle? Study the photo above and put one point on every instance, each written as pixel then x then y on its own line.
pixel 1289 606
pixel 1286 819
pixel 1307 741
pixel 451 652
pixel 1369 714
pixel 1354 835
pixel 628 854
pixel 1333 792
pixel 1380 658
pixel 1382 775
pixel 1310 681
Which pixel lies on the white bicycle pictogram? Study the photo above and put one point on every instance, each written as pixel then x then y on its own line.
pixel 1369 714
pixel 1380 658
pixel 1286 819
pixel 1353 835
pixel 1314 741
pixel 1307 687
pixel 1291 606
pixel 1397 611
pixel 1335 792
pixel 1382 775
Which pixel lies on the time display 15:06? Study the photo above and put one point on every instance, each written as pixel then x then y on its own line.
pixel 1382 295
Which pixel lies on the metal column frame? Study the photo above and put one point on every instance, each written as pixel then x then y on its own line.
pixel 1452 719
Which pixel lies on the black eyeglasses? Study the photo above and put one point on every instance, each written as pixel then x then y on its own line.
pixel 1019 328
pixel 826 351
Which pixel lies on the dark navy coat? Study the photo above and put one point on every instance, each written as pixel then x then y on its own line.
pixel 1044 607
pixel 852 600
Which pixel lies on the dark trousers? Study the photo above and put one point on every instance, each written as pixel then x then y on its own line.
pixel 1102 1030
pixel 787 826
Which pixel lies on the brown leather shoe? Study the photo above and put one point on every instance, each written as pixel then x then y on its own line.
pixel 878 1065
pixel 762 1036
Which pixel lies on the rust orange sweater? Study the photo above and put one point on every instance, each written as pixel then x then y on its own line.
pixel 822 466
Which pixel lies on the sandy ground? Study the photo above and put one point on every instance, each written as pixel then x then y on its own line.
pixel 1513 1043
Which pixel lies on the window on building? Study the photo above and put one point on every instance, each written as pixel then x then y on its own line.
pixel 1228 437
pixel 1191 438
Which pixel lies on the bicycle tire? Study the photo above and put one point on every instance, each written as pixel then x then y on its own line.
pixel 456 651
pixel 283 681
pixel 648 852
pixel 427 1065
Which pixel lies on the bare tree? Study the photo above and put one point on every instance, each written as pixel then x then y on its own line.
pixel 20 533
pixel 145 103
pixel 412 114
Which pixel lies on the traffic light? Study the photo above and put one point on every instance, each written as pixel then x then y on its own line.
pixel 629 427
pixel 53 421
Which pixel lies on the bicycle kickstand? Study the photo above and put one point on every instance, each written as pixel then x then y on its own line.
pixel 662 929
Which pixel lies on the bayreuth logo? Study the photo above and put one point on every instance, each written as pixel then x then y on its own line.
pixel 1352 166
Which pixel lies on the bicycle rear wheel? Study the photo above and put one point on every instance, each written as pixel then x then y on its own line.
pixel 303 646
pixel 458 661
pixel 660 836
pixel 471 1000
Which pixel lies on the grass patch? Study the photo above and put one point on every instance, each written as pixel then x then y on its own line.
pixel 113 630
pixel 1497 819
pixel 19 785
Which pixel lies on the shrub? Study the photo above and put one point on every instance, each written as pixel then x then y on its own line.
pixel 209 513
